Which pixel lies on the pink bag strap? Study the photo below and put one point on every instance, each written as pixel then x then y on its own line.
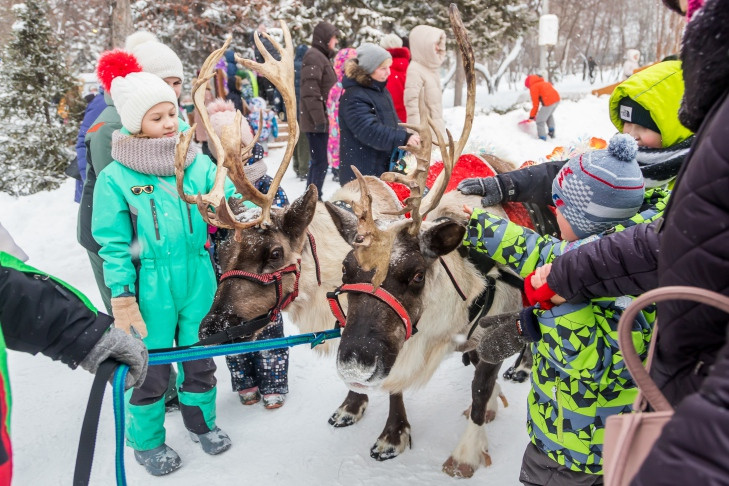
pixel 640 375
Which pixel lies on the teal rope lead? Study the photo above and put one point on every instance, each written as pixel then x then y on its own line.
pixel 202 352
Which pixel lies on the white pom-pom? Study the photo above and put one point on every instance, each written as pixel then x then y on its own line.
pixel 138 38
pixel 623 147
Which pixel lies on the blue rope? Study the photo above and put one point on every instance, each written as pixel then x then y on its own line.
pixel 190 354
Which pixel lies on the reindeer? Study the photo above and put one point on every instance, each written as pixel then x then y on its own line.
pixel 397 279
pixel 270 263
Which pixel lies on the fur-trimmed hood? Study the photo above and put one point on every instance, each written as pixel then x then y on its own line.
pixel 705 61
pixel 354 72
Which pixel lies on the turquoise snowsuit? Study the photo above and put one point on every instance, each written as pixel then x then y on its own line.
pixel 166 237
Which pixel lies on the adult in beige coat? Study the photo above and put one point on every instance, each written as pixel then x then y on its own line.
pixel 427 50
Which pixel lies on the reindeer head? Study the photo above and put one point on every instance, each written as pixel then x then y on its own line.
pixel 387 273
pixel 265 241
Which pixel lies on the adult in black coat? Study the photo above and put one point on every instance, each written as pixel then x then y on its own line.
pixel 368 122
pixel 689 247
pixel 301 153
pixel 317 78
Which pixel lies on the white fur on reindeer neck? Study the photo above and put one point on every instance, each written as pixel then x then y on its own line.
pixel 154 156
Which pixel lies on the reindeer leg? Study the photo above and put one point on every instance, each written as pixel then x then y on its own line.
pixel 396 435
pixel 472 450
pixel 350 411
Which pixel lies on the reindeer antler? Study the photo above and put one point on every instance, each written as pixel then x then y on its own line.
pixel 449 153
pixel 371 245
pixel 230 153
pixel 418 204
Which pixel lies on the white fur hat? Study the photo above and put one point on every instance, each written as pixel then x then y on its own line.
pixel 135 93
pixel 153 56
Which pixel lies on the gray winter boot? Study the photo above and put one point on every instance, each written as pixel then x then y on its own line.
pixel 159 461
pixel 213 442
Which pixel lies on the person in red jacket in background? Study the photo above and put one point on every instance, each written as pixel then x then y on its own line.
pixel 542 92
pixel 398 72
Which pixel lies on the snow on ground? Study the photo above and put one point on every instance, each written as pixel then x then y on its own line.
pixel 292 445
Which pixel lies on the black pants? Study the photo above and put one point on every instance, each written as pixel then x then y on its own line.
pixel 319 162
pixel 537 469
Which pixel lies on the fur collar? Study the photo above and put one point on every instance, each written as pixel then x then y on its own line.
pixel 705 61
pixel 354 72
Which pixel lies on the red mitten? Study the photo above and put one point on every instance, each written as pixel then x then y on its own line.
pixel 540 296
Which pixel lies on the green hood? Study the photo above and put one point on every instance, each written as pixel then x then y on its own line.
pixel 659 90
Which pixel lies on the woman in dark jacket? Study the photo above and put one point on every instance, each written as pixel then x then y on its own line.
pixel 367 120
pixel 691 365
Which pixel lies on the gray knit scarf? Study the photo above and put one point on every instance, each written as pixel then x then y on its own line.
pixel 154 156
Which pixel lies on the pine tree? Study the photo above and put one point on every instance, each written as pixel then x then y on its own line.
pixel 37 144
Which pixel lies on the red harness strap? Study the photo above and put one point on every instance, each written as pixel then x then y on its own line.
pixel 268 279
pixel 369 289
pixel 277 277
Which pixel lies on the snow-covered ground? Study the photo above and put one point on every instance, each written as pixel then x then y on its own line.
pixel 292 445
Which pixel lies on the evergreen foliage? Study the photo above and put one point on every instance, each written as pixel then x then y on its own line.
pixel 37 144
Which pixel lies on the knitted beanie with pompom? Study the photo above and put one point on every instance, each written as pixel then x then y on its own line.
pixel 153 56
pixel 599 189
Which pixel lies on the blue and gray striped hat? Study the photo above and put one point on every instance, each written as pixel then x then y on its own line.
pixel 599 189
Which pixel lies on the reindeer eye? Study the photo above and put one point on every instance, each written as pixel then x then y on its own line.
pixel 276 254
pixel 418 277
pixel 344 269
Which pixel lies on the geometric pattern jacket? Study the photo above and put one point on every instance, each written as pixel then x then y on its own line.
pixel 578 376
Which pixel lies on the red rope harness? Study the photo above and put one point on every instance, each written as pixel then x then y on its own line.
pixel 276 277
pixel 369 289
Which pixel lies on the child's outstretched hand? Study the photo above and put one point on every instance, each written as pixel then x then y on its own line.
pixel 468 210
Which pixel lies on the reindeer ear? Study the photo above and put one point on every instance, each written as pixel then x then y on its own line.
pixel 298 216
pixel 345 222
pixel 441 239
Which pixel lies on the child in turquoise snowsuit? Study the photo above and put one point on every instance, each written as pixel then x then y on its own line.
pixel 139 219
pixel 578 376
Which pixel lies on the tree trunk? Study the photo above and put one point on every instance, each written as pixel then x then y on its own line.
pixel 121 22
pixel 459 81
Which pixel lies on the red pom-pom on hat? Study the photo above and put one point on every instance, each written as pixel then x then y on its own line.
pixel 113 64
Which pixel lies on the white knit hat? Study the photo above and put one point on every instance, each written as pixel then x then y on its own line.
pixel 153 56
pixel 135 93
pixel 391 41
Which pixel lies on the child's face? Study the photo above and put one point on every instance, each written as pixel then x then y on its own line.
pixel 565 228
pixel 160 121
pixel 382 72
pixel 174 83
pixel 645 137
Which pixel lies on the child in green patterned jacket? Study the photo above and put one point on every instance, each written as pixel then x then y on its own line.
pixel 578 376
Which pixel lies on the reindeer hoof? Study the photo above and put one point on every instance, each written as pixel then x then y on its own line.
pixel 516 375
pixel 342 418
pixel 457 470
pixel 384 449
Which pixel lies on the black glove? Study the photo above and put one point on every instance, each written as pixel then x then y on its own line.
pixel 124 348
pixel 506 334
pixel 489 187
pixel 320 128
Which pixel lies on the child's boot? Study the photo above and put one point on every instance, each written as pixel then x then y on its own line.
pixel 213 442
pixel 159 461
pixel 543 137
pixel 551 133
pixel 249 396
pixel 273 400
